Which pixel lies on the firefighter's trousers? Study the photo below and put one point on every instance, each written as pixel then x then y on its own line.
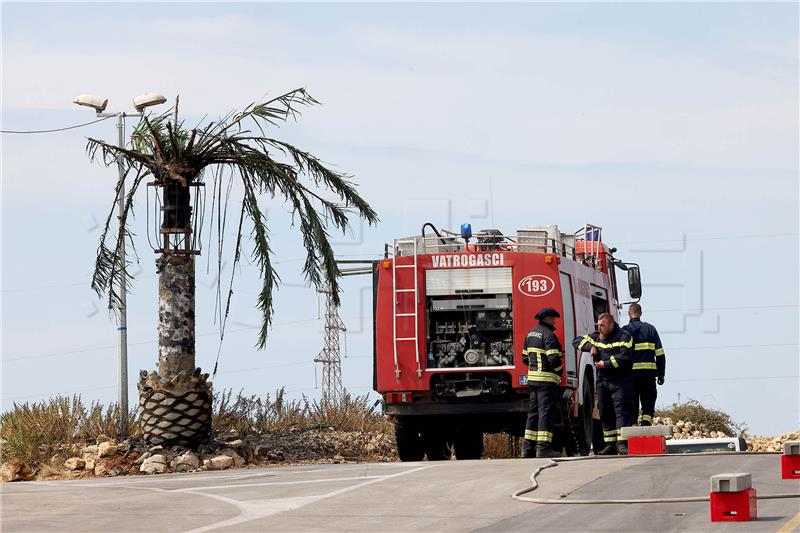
pixel 542 414
pixel 645 394
pixel 617 410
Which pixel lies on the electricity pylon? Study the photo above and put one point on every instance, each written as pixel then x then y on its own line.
pixel 330 356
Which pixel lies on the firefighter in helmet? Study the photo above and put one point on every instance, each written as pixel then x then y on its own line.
pixel 648 363
pixel 612 351
pixel 543 354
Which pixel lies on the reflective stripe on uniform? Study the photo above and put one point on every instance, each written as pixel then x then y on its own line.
pixel 660 351
pixel 645 346
pixel 614 361
pixel 533 350
pixel 647 418
pixel 558 368
pixel 618 344
pixel 547 377
pixel 611 436
pixel 553 352
pixel 645 366
pixel 586 338
pixel 538 436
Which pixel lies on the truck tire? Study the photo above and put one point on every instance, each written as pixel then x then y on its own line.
pixel 437 446
pixel 408 439
pixel 468 444
pixel 584 424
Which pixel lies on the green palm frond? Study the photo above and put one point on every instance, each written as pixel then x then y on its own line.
pixel 322 199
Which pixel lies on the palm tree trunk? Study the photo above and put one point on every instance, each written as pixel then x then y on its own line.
pixel 176 399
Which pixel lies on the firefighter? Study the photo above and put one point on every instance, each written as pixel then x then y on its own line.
pixel 612 350
pixel 543 354
pixel 648 363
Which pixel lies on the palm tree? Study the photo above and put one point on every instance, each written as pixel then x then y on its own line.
pixel 175 400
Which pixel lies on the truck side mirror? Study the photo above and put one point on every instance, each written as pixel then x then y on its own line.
pixel 634 282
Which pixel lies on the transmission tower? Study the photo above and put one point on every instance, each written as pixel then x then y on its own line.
pixel 329 356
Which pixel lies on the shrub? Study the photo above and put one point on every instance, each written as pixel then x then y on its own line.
pixel 696 413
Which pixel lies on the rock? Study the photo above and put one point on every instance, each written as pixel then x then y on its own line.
pixel 155 464
pixel 107 449
pixel 186 462
pixel 229 436
pixel 680 424
pixel 237 442
pixel 15 470
pixel 89 464
pixel 101 470
pixel 220 462
pixel 89 449
pixel 142 458
pixel 238 461
pixel 156 448
pixel 74 463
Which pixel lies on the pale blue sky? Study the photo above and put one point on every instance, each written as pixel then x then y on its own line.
pixel 657 122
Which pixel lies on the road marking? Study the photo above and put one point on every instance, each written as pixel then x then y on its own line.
pixel 271 483
pixel 254 510
pixel 790 525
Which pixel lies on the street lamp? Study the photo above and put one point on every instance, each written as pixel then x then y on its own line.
pixel 140 103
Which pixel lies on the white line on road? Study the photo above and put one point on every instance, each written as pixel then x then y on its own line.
pixel 253 510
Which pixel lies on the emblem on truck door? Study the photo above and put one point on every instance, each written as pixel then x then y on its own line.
pixel 536 285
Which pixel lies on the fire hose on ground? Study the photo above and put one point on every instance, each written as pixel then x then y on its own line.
pixel 518 495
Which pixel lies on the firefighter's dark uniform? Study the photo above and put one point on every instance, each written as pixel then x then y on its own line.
pixel 543 355
pixel 614 382
pixel 649 363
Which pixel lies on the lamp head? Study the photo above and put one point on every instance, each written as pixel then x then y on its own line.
pixel 98 103
pixel 146 100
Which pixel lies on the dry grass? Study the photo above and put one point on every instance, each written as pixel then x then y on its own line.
pixel 501 446
pixel 696 413
pixel 34 432
pixel 252 415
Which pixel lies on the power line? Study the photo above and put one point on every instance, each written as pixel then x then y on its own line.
pixel 60 129
pixel 744 378
pixel 742 307
pixel 714 238
pixel 97 348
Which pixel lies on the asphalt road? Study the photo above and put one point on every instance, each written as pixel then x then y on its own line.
pixel 438 496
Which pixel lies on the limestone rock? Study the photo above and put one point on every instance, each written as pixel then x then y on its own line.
pixel 15 470
pixel 74 463
pixel 89 449
pixel 220 462
pixel 186 462
pixel 238 461
pixel 101 470
pixel 155 464
pixel 89 464
pixel 107 449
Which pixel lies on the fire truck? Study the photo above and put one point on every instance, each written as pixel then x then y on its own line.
pixel 451 313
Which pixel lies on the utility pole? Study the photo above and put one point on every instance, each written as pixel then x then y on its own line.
pixel 99 105
pixel 330 356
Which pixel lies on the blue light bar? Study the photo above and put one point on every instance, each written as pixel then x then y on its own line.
pixel 466 231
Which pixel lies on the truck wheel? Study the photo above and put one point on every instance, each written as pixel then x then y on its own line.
pixel 468 445
pixel 598 443
pixel 584 425
pixel 408 440
pixel 437 445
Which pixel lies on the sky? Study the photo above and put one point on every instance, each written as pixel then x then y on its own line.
pixel 673 126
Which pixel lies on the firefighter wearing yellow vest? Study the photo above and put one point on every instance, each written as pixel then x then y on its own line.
pixel 543 354
pixel 649 363
pixel 612 351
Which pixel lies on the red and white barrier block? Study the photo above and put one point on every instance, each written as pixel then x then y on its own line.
pixel 733 499
pixel 790 460
pixel 646 440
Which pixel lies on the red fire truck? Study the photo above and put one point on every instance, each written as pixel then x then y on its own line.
pixel 451 314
